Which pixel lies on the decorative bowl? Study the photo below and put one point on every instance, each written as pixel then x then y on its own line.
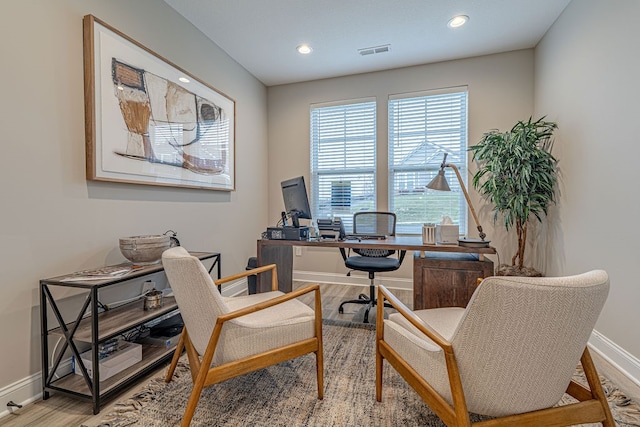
pixel 144 250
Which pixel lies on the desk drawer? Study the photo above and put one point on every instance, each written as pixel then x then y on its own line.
pixel 446 279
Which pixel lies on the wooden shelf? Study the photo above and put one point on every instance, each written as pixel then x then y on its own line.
pixel 119 319
pixel 151 356
pixel 99 327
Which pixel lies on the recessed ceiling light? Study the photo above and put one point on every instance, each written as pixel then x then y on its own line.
pixel 183 79
pixel 304 49
pixel 458 21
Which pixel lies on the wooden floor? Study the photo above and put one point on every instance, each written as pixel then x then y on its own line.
pixel 60 410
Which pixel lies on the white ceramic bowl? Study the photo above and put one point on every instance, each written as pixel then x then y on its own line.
pixel 143 250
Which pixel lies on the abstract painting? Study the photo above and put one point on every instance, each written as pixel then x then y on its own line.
pixel 147 121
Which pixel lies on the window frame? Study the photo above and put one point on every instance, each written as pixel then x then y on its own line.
pixel 410 218
pixel 355 184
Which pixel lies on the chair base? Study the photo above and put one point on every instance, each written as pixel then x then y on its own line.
pixel 370 302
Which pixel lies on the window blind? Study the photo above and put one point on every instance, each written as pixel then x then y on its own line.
pixel 421 129
pixel 343 160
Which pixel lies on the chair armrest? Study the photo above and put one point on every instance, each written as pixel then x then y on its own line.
pixel 217 329
pixel 458 410
pixel 257 270
pixel 383 293
pixel 270 303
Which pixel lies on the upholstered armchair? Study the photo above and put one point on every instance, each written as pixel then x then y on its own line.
pixel 228 337
pixel 510 354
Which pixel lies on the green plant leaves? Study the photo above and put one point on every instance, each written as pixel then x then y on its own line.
pixel 517 173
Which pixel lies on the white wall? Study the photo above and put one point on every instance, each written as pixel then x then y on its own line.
pixel 500 94
pixel 587 71
pixel 52 220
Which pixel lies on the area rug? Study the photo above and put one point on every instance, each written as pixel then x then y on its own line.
pixel 285 394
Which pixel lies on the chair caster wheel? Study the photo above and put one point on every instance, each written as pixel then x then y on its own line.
pixel 340 310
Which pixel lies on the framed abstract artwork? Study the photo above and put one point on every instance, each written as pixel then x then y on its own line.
pixel 148 121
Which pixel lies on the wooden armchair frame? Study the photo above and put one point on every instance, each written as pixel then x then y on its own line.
pixel 212 375
pixel 591 407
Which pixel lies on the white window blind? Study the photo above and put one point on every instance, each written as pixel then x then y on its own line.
pixel 421 129
pixel 343 160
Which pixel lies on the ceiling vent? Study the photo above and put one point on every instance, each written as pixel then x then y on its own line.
pixel 373 50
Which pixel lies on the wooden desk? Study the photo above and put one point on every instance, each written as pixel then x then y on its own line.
pixel 280 252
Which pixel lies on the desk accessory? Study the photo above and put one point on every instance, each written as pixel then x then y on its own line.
pixel 287 233
pixel 429 234
pixel 331 229
pixel 440 183
pixel 153 299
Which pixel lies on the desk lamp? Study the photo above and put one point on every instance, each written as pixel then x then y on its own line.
pixel 440 183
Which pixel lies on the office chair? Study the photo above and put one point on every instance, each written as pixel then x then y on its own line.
pixel 372 260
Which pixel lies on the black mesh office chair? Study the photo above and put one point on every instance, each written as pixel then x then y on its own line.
pixel 372 260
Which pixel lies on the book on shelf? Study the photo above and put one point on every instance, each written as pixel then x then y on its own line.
pixel 110 272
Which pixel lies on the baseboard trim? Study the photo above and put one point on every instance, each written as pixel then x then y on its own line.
pixel 619 358
pixel 22 392
pixel 236 288
pixel 355 279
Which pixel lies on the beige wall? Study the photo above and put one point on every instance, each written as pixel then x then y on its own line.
pixel 500 93
pixel 53 220
pixel 587 80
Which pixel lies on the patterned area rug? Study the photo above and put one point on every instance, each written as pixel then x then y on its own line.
pixel 285 394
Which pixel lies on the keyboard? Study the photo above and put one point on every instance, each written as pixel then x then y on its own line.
pixel 365 236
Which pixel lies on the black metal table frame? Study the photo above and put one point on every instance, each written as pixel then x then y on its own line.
pixel 69 329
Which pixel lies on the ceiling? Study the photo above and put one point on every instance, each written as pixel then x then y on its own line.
pixel 262 35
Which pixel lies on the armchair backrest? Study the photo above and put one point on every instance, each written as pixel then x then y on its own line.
pixel 373 222
pixel 197 296
pixel 523 330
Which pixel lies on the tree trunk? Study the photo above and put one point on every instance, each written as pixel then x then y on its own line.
pixel 523 245
pixel 521 231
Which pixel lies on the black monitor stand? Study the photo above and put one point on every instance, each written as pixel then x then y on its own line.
pixel 294 219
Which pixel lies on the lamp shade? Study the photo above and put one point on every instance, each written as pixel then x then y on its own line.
pixel 439 183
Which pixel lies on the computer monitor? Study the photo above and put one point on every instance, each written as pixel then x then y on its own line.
pixel 296 203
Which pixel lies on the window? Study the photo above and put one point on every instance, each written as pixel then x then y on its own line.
pixel 421 129
pixel 343 160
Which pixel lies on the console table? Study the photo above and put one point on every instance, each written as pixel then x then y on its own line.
pixel 98 327
pixel 280 252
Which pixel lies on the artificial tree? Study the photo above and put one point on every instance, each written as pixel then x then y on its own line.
pixel 517 174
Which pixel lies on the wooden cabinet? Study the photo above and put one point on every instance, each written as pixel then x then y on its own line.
pixel 93 325
pixel 442 279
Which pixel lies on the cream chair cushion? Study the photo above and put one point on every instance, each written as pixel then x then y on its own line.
pixel 200 304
